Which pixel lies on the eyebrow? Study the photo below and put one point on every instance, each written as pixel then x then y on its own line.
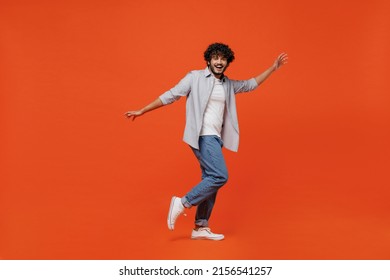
pixel 218 55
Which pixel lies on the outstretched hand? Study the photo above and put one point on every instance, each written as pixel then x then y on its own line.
pixel 133 114
pixel 280 61
pixel 154 105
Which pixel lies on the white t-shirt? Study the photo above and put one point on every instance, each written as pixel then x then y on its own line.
pixel 213 117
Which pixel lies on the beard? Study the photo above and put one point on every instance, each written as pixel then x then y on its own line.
pixel 217 71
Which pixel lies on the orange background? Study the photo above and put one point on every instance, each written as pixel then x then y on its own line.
pixel 80 181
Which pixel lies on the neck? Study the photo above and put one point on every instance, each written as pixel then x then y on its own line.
pixel 218 76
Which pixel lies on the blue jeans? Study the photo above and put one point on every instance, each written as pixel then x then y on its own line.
pixel 214 176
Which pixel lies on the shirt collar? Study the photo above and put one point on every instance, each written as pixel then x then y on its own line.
pixel 207 72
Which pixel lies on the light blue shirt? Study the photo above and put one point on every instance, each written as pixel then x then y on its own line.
pixel 197 87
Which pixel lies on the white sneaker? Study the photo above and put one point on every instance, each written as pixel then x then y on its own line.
pixel 205 233
pixel 175 210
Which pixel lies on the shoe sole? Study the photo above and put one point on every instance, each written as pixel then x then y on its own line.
pixel 170 225
pixel 208 238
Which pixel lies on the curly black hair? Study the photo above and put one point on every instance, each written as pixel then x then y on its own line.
pixel 219 49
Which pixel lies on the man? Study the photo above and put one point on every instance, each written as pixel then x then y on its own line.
pixel 211 123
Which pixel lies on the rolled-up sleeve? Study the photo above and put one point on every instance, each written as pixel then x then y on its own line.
pixel 181 89
pixel 245 85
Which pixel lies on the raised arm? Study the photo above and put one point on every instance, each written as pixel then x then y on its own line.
pixel 152 106
pixel 280 61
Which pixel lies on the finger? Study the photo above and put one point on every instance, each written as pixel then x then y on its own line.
pixel 282 55
pixel 284 58
pixel 130 113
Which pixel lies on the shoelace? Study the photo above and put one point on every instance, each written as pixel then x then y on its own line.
pixel 206 229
